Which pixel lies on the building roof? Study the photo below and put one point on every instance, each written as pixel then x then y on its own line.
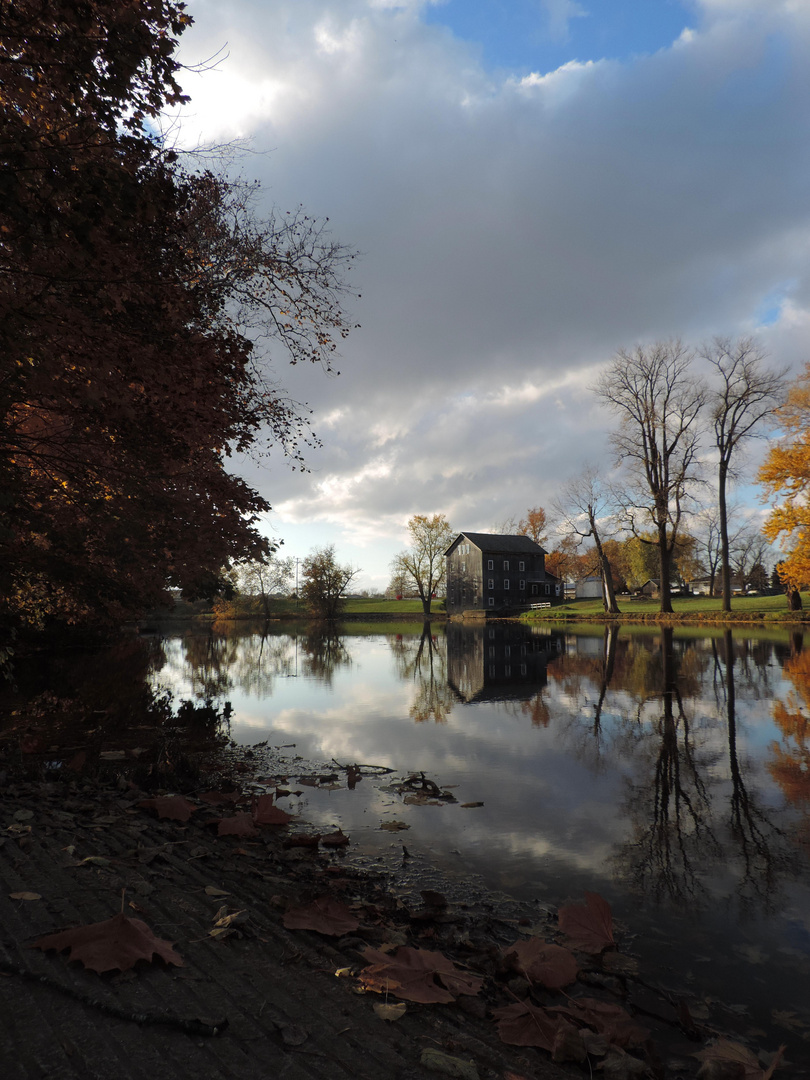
pixel 502 545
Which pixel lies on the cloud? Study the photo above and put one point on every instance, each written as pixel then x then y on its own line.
pixel 515 231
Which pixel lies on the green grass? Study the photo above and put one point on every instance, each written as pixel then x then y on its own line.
pixel 363 605
pixel 769 608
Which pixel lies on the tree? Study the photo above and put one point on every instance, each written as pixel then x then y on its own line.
pixel 785 475
pixel 261 578
pixel 126 285
pixel 423 564
pixel 658 402
pixel 324 581
pixel 534 525
pixel 563 561
pixel 583 505
pixel 746 393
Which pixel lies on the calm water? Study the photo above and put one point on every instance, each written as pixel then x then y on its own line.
pixel 668 771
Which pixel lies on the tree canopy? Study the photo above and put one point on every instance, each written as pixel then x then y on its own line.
pixel 423 563
pixel 140 304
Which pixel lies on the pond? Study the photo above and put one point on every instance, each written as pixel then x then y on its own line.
pixel 667 770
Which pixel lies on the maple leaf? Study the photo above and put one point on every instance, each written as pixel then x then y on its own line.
pixel 237 825
pixel 417 975
pixel 335 839
pixel 606 1018
pixel 218 798
pixel 523 1024
pixel 551 965
pixel 117 943
pixel 726 1050
pixel 325 915
pixel 265 813
pixel 169 806
pixel 588 926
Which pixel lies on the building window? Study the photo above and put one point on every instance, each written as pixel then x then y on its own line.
pixel 492 671
pixel 522 669
pixel 491 583
pixel 548 590
pixel 522 585
pixel 492 635
pixel 507 650
pixel 521 565
pixel 490 564
pixel 506 583
pixel 507 670
pixel 506 564
pixel 492 601
pixel 492 652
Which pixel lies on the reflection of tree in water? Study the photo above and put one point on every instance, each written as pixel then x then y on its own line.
pixel 208 659
pixel 261 659
pixel 322 651
pixel 680 838
pixel 423 661
pixel 671 811
pixel 790 758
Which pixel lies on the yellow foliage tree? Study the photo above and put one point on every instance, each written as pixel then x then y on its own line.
pixel 785 475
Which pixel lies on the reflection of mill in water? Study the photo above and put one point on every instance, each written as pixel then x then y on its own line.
pixel 504 662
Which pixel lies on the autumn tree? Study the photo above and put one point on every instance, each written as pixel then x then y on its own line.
pixel 785 475
pixel 423 563
pixel 324 582
pixel 140 305
pixel 534 525
pixel 658 401
pixel 744 394
pixel 584 506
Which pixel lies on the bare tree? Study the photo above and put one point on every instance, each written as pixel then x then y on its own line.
pixel 746 392
pixel 261 578
pixel 582 505
pixel 658 402
pixel 424 563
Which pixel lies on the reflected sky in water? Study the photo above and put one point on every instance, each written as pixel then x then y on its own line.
pixel 669 771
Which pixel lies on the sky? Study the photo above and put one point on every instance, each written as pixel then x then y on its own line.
pixel 531 185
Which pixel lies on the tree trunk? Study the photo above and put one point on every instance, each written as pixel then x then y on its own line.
pixel 794 598
pixel 725 560
pixel 663 562
pixel 608 592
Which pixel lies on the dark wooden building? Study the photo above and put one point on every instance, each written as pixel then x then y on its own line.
pixel 490 572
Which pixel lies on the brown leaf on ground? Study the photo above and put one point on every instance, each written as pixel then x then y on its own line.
pixel 523 1024
pixel 335 839
pixel 417 975
pixel 169 806
pixel 551 965
pixel 117 943
pixel 394 826
pixel 724 1050
pixel 265 813
pixel 588 926
pixel 394 1011
pixel 220 798
pixel 608 1019
pixel 622 1066
pixel 325 915
pixel 305 840
pixel 238 825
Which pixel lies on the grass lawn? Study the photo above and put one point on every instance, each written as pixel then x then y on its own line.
pixel 364 605
pixel 769 608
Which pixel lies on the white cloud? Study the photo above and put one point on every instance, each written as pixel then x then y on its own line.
pixel 514 232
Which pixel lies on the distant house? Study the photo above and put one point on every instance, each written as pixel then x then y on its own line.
pixel 589 588
pixel 651 587
pixel 490 572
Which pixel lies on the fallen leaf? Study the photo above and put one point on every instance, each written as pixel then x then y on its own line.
pixel 391 1012
pixel 394 826
pixel 238 825
pixel 522 1024
pixel 77 762
pixel 724 1050
pixel 117 943
pixel 589 926
pixel 417 975
pixel 174 807
pixel 212 890
pixel 606 1018
pixel 218 798
pixel 265 813
pixel 439 1062
pixel 324 915
pixel 622 1066
pixel 335 839
pixel 551 965
pixel 25 896
pixel 304 840
pixel 470 805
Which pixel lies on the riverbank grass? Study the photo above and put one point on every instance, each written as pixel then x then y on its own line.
pixel 686 608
